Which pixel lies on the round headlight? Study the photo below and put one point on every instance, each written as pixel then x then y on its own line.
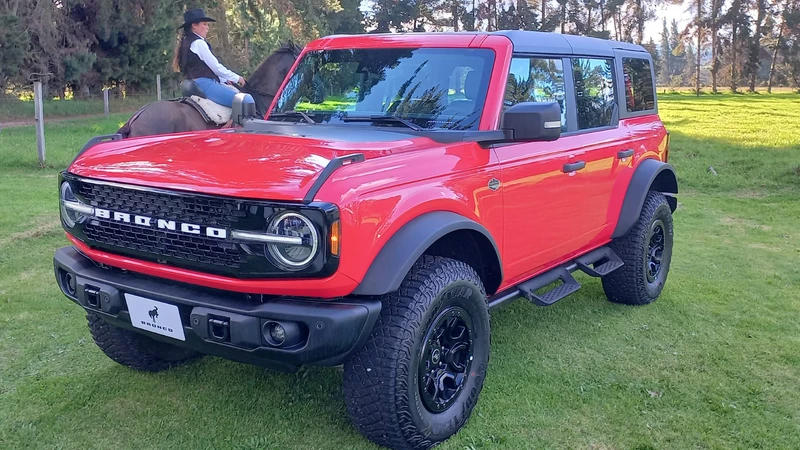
pixel 69 216
pixel 294 256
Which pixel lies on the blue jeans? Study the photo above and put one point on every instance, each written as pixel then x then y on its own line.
pixel 216 92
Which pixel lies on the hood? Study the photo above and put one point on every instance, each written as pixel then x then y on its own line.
pixel 236 164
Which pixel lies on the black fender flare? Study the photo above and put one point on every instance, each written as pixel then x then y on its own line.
pixel 404 248
pixel 651 174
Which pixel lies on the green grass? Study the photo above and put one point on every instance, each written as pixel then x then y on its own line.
pixel 714 364
pixel 12 109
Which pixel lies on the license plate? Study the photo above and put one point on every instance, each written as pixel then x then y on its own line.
pixel 156 317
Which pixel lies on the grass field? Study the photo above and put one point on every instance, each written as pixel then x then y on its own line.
pixel 714 364
pixel 12 109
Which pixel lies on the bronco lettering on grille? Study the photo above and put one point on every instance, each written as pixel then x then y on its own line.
pixel 161 224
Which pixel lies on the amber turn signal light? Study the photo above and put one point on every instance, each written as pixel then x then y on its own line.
pixel 335 238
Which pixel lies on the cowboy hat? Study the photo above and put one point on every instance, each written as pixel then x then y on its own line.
pixel 195 15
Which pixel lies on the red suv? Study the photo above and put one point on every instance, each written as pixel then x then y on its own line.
pixel 400 188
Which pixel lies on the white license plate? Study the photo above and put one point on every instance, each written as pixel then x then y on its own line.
pixel 156 317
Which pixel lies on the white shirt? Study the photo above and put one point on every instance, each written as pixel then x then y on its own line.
pixel 200 48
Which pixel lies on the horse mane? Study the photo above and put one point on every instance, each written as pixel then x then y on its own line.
pixel 285 47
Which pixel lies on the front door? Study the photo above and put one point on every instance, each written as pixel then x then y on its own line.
pixel 543 194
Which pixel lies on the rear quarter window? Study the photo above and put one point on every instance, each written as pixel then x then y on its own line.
pixel 639 92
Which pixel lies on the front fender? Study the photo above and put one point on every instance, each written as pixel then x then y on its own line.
pixel 402 250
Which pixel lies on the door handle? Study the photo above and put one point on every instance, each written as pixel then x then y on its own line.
pixel 572 167
pixel 625 153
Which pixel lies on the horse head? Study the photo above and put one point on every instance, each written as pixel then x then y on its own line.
pixel 265 81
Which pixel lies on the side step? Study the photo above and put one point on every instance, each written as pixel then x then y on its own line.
pixel 596 263
pixel 568 285
pixel 600 262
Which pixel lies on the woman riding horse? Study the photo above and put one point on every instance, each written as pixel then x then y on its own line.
pixel 194 59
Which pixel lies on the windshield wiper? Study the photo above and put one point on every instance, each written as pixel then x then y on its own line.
pixel 292 114
pixel 389 119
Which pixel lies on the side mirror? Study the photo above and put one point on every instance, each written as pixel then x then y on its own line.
pixel 532 121
pixel 244 107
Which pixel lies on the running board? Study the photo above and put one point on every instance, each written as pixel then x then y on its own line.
pixel 568 286
pixel 597 263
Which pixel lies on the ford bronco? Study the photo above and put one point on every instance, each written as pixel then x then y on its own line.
pixel 400 187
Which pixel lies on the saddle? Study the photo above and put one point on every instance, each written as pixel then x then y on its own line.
pixel 212 113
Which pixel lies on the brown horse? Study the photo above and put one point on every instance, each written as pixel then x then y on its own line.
pixel 171 117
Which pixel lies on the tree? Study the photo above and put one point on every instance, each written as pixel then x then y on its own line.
pixel 13 42
pixel 738 19
pixel 349 20
pixel 695 29
pixel 713 23
pixel 777 46
pixel 754 59
pixel 666 55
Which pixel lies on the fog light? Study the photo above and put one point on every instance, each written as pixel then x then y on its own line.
pixel 277 333
pixel 283 333
pixel 70 285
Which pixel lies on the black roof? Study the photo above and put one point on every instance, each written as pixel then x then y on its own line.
pixel 548 43
pixel 565 44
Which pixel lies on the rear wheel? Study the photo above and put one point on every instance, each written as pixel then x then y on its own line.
pixel 418 377
pixel 646 251
pixel 136 350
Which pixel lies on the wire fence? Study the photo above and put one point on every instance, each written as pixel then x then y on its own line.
pixel 20 106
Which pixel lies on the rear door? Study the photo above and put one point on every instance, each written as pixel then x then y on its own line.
pixel 606 143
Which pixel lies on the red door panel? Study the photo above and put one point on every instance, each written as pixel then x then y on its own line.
pixel 543 205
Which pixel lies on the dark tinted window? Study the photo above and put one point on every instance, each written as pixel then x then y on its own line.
pixel 537 80
pixel 639 95
pixel 594 92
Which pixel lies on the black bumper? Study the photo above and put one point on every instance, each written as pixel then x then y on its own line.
pixel 224 323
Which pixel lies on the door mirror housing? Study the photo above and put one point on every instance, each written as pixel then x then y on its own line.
pixel 244 108
pixel 532 121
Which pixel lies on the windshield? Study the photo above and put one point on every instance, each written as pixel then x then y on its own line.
pixel 432 88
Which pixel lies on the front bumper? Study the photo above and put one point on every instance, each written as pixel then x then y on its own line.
pixel 329 330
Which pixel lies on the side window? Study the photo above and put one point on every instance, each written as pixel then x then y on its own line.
pixel 594 92
pixel 537 80
pixel 639 95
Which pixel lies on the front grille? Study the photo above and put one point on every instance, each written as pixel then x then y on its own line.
pixel 201 210
pixel 153 230
pixel 165 244
pixel 177 248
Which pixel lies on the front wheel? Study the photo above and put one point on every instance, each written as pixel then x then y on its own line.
pixel 418 377
pixel 646 251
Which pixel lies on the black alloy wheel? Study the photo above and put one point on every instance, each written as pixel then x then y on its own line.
pixel 655 250
pixel 445 359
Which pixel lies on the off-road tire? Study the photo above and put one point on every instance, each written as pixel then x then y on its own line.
pixel 382 380
pixel 135 350
pixel 630 284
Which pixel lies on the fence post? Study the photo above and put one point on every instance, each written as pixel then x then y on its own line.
pixel 158 86
pixel 38 100
pixel 105 101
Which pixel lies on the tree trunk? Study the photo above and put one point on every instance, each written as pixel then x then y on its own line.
pixel 699 46
pixel 734 50
pixel 588 16
pixel 544 11
pixel 454 12
pixel 755 48
pixel 775 52
pixel 716 5
pixel 602 17
pixel 222 26
pixel 639 22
